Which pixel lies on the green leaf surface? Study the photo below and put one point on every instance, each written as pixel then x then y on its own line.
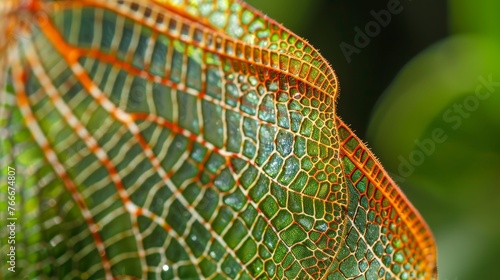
pixel 188 140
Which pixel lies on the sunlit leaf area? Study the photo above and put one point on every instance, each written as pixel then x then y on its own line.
pixel 424 92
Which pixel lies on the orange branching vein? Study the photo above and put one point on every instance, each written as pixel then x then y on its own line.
pixel 190 139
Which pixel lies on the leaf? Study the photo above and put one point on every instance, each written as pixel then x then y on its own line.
pixel 190 140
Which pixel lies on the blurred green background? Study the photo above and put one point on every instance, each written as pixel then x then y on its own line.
pixel 424 92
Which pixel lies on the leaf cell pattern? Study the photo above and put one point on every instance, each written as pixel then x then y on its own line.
pixel 188 139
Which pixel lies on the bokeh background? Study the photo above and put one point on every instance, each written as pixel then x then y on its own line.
pixel 424 92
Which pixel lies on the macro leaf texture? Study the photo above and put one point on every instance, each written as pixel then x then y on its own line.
pixel 187 139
